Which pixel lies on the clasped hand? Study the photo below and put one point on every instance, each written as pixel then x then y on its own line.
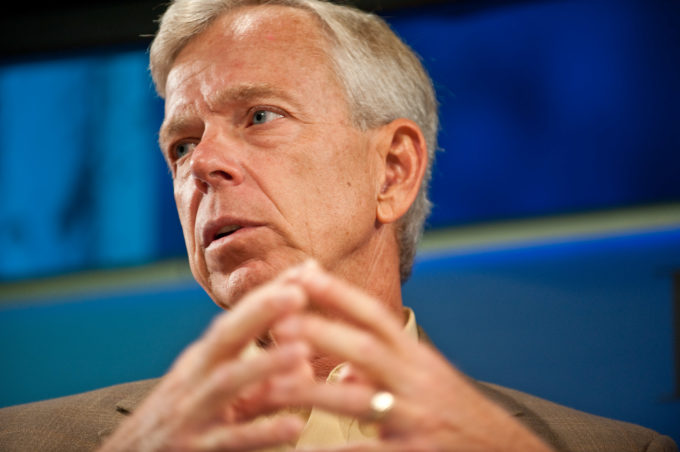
pixel 218 397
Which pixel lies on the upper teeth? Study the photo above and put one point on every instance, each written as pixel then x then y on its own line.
pixel 227 229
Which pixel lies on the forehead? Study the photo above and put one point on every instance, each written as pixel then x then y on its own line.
pixel 256 38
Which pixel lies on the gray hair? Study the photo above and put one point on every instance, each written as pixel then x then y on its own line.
pixel 382 77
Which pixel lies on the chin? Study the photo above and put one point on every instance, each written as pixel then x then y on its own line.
pixel 227 289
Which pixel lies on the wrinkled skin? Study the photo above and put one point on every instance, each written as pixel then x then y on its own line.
pixel 266 143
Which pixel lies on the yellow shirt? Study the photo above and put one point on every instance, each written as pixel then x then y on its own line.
pixel 328 429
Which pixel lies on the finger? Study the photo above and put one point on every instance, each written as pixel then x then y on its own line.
pixel 250 318
pixel 347 399
pixel 352 375
pixel 255 399
pixel 251 436
pixel 352 400
pixel 340 297
pixel 369 354
pixel 229 379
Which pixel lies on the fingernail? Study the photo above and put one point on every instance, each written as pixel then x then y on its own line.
pixel 343 373
pixel 346 374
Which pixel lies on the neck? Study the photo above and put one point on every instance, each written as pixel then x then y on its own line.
pixel 374 268
pixel 376 271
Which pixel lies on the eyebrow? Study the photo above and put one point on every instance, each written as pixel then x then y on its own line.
pixel 248 92
pixel 236 94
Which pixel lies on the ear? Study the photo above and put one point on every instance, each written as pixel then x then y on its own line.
pixel 403 153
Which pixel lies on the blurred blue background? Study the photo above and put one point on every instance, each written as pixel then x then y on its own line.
pixel 554 109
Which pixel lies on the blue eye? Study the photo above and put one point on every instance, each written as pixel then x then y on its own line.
pixel 182 149
pixel 264 116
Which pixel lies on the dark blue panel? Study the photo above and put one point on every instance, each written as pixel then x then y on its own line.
pixel 84 181
pixel 546 107
pixel 45 174
pixel 552 106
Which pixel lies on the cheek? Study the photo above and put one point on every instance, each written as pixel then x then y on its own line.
pixel 186 217
pixel 342 190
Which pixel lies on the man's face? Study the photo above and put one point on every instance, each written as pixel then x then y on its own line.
pixel 268 169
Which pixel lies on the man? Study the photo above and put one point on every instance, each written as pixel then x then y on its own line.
pixel 299 135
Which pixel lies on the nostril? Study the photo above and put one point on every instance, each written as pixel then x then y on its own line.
pixel 222 174
pixel 218 177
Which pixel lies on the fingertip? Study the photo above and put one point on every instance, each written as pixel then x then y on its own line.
pixel 311 264
pixel 314 276
pixel 345 374
pixel 297 271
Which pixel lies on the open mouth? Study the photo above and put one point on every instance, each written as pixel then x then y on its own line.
pixel 225 231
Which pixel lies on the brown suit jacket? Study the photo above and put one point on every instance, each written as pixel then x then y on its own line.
pixel 81 422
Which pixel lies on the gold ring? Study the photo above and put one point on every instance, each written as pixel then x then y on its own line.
pixel 382 403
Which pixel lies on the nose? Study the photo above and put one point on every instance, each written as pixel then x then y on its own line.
pixel 212 165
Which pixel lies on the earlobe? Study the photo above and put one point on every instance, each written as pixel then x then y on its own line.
pixel 404 159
